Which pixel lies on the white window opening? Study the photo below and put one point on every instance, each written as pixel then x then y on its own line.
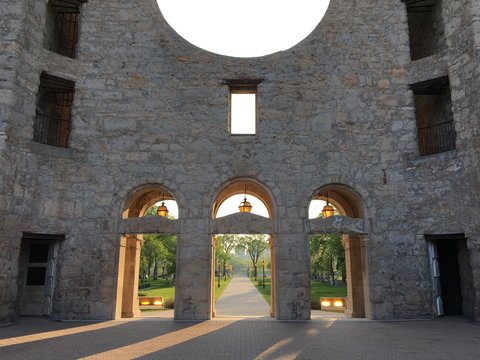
pixel 243 112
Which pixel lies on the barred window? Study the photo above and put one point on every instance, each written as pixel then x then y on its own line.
pixel 433 108
pixel 62 26
pixel 426 28
pixel 53 114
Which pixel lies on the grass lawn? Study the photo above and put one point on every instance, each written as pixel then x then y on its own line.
pixel 223 285
pixel 167 290
pixel 319 290
pixel 162 288
pixel 266 292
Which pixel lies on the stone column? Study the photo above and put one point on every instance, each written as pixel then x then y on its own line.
pixel 353 260
pixel 130 306
pixel 473 245
pixel 194 271
pixel 292 271
pixel 273 290
pixel 121 273
pixel 212 277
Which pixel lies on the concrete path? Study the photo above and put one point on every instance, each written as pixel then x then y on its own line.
pixel 241 299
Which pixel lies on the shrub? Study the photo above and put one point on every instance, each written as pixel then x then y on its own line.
pixel 142 293
pixel 169 303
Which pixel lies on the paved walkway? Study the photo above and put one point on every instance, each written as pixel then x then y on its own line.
pixel 37 339
pixel 241 299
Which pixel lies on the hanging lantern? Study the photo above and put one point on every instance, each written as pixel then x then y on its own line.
pixel 245 206
pixel 328 210
pixel 162 210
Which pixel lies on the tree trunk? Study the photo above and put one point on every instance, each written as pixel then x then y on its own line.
pixel 155 270
pixel 332 273
pixel 224 269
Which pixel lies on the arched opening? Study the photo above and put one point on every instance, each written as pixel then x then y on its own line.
pixel 348 206
pixel 150 271
pixel 248 234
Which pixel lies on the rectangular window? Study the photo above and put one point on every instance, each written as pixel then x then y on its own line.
pixel 53 113
pixel 425 27
pixel 242 113
pixel 62 26
pixel 433 109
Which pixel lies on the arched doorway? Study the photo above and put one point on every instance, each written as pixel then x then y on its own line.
pixel 133 226
pixel 350 224
pixel 237 222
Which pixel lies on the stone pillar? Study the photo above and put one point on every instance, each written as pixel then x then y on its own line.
pixel 130 306
pixel 273 290
pixel 473 245
pixel 365 277
pixel 194 271
pixel 212 282
pixel 121 273
pixel 292 280
pixel 353 260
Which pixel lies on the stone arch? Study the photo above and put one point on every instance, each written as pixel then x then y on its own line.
pixel 352 227
pixel 136 204
pixel 343 197
pixel 237 186
pixel 248 224
pixel 143 197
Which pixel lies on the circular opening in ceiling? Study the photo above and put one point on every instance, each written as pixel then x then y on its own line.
pixel 246 28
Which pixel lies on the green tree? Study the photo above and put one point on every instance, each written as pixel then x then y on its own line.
pixel 224 244
pixel 254 245
pixel 327 255
pixel 158 250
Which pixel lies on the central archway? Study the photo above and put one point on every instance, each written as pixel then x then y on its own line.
pixel 243 223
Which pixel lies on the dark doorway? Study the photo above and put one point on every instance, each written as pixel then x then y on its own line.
pixel 450 283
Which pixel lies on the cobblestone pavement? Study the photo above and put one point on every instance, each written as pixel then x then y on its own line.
pixel 344 338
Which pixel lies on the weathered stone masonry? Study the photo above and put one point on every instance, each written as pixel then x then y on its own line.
pixel 150 110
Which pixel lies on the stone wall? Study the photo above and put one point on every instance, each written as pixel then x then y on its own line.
pixel 150 108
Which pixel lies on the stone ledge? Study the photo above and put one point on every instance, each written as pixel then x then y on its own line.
pixel 242 223
pixel 336 224
pixel 149 225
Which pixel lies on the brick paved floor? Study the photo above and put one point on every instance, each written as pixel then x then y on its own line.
pixel 342 338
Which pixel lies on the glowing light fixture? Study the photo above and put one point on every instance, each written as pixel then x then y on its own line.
pixel 325 303
pixel 245 206
pixel 162 209
pixel 328 210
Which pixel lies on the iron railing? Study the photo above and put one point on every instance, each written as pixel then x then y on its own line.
pixel 65 36
pixel 436 138
pixel 51 130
